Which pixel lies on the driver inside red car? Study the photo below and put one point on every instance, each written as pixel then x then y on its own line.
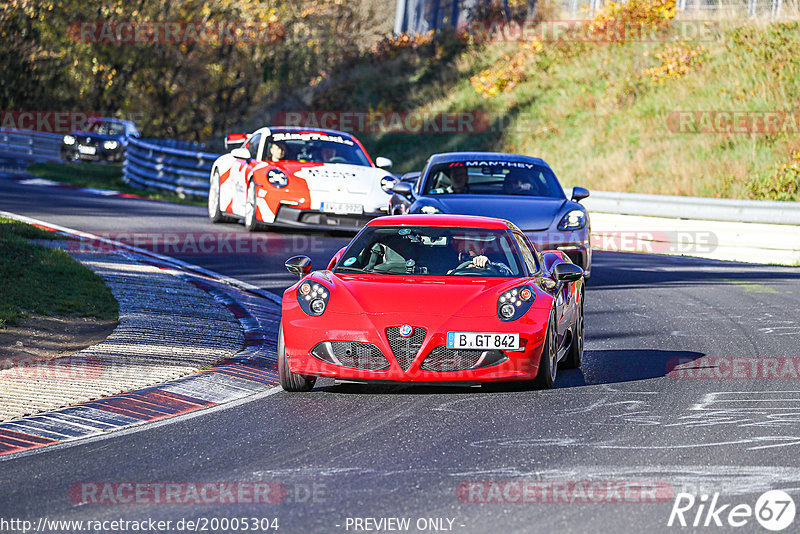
pixel 473 254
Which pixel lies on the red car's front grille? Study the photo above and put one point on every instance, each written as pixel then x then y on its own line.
pixel 405 349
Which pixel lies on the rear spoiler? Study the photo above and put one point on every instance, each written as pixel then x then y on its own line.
pixel 233 140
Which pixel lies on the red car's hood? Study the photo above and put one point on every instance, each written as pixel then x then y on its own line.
pixel 415 296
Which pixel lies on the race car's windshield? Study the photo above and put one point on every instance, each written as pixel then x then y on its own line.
pixel 105 128
pixel 432 251
pixel 316 147
pixel 493 178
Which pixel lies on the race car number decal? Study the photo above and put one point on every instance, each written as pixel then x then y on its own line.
pixel 481 340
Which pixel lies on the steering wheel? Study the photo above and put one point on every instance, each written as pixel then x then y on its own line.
pixel 337 159
pixel 468 267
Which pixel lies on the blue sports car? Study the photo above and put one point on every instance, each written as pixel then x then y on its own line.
pixel 522 189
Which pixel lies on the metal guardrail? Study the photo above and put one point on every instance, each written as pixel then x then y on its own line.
pixel 711 209
pixel 30 144
pixel 156 164
pixel 175 166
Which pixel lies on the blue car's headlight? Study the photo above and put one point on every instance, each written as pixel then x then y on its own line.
pixel 69 139
pixel 573 220
pixel 110 144
pixel 515 303
pixel 313 297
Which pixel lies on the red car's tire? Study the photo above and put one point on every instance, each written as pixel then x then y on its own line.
pixel 290 381
pixel 548 364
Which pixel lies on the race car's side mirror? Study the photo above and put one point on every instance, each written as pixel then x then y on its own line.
pixel 241 153
pixel 567 272
pixel 402 188
pixel 579 193
pixel 382 162
pixel 298 265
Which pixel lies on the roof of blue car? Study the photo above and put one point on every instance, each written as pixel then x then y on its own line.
pixel 447 157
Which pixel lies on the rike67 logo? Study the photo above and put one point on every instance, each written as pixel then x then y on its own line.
pixel 774 510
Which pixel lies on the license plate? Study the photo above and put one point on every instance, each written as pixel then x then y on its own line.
pixel 90 150
pixel 342 209
pixel 482 340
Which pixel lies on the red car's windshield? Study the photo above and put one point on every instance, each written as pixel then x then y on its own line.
pixel 433 251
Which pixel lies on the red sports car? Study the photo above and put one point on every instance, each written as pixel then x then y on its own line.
pixel 432 299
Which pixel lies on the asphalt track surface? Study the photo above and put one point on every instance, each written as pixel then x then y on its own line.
pixel 402 452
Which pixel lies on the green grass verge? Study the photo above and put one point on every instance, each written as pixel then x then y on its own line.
pixel 46 281
pixel 102 176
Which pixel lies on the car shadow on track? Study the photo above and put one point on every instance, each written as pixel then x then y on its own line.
pixel 600 367
pixel 624 365
pixel 621 270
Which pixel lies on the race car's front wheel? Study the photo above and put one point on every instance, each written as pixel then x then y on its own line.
pixel 250 220
pixel 548 364
pixel 290 381
pixel 214 212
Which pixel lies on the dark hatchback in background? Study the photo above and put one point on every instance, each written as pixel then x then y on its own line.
pixel 103 139
pixel 519 188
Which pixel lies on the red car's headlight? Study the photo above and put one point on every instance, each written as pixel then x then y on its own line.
pixel 313 297
pixel 515 303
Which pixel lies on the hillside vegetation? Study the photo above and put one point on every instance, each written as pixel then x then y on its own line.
pixel 630 116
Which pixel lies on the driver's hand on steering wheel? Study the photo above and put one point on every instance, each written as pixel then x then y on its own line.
pixel 480 262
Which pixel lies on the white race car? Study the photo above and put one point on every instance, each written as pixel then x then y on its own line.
pixel 298 177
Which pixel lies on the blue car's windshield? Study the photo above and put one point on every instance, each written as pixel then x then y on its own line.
pixel 433 251
pixel 492 178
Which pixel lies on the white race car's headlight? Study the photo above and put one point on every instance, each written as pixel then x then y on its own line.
pixel 429 210
pixel 387 183
pixel 110 144
pixel 515 303
pixel 573 220
pixel 313 297
pixel 69 139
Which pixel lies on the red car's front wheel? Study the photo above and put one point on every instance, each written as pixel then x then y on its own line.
pixel 290 381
